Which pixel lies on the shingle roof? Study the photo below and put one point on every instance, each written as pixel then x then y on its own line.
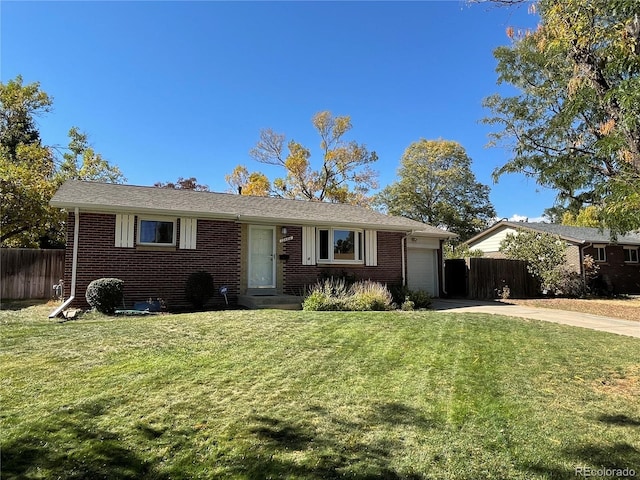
pixel 566 232
pixel 116 198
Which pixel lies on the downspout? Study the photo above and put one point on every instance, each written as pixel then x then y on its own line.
pixel 443 287
pixel 74 265
pixel 403 242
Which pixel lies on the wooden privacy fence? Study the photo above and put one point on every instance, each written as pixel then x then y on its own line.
pixel 488 278
pixel 29 273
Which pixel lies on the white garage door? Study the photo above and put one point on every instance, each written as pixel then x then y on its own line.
pixel 421 270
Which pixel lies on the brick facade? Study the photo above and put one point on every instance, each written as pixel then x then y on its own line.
pixel 297 277
pixel 161 272
pixel 153 272
pixel 617 276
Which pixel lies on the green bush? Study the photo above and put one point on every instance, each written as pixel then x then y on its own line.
pixel 369 295
pixel 105 294
pixel 420 298
pixel 318 301
pixel 199 288
pixel 399 293
pixel 417 298
pixel 334 295
pixel 408 306
pixel 329 294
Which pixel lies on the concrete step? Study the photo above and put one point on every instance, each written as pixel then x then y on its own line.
pixel 281 302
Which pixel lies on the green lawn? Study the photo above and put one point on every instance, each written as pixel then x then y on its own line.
pixel 275 394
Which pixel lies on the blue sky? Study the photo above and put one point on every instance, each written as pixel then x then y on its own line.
pixel 169 89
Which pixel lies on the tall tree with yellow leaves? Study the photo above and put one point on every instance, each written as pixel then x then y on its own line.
pixel 344 174
pixel 575 125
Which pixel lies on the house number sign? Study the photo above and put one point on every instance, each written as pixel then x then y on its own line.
pixel 286 239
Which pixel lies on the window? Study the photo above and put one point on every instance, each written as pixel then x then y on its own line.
pixel 153 231
pixel 631 254
pixel 340 246
pixel 600 253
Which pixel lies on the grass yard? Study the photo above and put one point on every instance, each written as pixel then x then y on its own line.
pixel 275 394
pixel 627 308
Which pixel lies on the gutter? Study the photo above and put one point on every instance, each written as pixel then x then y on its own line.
pixel 74 265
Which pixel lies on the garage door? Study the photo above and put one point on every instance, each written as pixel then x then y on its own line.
pixel 421 270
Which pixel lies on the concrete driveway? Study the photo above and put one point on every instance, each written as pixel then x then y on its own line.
pixel 565 317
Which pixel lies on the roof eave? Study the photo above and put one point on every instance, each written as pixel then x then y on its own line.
pixel 92 208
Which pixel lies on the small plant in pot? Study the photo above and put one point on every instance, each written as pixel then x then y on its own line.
pixel 199 289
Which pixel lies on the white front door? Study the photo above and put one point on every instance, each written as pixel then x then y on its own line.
pixel 262 252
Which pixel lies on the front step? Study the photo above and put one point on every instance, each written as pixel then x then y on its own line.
pixel 279 302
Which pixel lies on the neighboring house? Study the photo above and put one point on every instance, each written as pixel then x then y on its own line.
pixel 153 238
pixel 618 262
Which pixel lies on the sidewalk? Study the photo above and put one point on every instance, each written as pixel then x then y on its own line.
pixel 565 317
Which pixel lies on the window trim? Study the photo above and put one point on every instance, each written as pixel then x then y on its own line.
pixel 153 218
pixel 631 249
pixel 359 246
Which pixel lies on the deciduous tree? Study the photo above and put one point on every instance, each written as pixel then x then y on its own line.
pixel 30 172
pixel 82 162
pixel 190 183
pixel 344 174
pixel 245 183
pixel 436 186
pixel 575 126
pixel 587 217
pixel 544 253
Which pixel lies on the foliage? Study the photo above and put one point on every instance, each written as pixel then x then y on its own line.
pixel 30 172
pixel 26 185
pixel 452 249
pixel 436 186
pixel 409 299
pixel 245 183
pixel 82 162
pixel 369 296
pixel 504 292
pixel 420 298
pixel 329 294
pixel 408 306
pixel 544 253
pixel 344 175
pixel 586 217
pixel 319 301
pixel 335 295
pixel 575 126
pixel 199 288
pixel 190 183
pixel 105 294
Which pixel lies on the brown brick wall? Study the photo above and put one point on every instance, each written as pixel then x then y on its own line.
pixel 297 276
pixel 153 273
pixel 621 277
